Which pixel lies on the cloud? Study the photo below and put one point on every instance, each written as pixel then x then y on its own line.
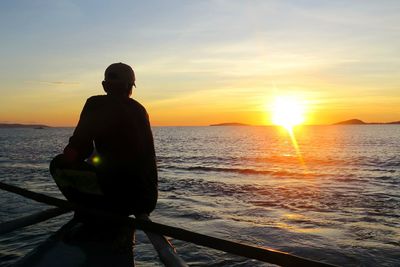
pixel 60 83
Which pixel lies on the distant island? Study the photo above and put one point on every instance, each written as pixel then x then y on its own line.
pixel 230 124
pixel 17 125
pixel 352 121
pixel 360 122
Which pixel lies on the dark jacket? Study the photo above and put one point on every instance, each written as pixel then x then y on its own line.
pixel 120 130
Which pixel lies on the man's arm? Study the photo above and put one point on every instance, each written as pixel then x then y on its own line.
pixel 150 168
pixel 80 144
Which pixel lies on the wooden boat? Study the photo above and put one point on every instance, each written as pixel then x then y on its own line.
pixel 111 245
pixel 78 244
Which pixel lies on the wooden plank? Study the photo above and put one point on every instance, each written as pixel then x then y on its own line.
pixel 37 196
pixel 164 248
pixel 37 217
pixel 248 251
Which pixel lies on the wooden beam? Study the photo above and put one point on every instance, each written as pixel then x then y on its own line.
pixel 164 248
pixel 37 217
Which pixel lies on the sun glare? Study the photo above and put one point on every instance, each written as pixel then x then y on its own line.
pixel 287 112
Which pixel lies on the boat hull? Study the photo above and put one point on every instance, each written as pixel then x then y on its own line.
pixel 78 244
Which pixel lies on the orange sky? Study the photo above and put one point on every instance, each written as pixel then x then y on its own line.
pixel 203 62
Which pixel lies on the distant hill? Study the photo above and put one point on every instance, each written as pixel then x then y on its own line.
pixel 352 121
pixel 17 125
pixel 360 122
pixel 230 124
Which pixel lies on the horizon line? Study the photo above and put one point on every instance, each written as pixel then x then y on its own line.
pixel 212 125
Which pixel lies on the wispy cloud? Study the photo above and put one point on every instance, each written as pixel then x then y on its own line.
pixel 60 83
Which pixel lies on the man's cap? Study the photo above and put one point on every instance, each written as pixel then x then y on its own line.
pixel 120 72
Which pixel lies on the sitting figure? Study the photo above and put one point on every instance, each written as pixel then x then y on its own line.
pixel 109 162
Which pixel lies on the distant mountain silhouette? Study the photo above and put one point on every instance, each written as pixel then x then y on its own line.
pixel 352 121
pixel 360 122
pixel 230 124
pixel 17 125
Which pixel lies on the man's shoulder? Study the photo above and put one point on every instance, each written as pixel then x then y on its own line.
pixel 95 102
pixel 137 104
pixel 105 98
pixel 97 98
pixel 99 101
pixel 139 109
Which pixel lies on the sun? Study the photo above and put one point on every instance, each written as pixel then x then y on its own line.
pixel 287 111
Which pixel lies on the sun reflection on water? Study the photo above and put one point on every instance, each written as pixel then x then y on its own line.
pixel 290 131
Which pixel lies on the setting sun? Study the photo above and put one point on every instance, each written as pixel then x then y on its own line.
pixel 287 112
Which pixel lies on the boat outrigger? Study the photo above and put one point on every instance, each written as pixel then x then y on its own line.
pixel 77 245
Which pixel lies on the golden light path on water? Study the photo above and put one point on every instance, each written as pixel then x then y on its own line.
pixel 295 145
pixel 288 111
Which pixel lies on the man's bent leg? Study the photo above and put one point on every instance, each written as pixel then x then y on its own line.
pixel 78 182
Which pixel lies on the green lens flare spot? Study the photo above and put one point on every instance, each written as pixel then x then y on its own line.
pixel 96 160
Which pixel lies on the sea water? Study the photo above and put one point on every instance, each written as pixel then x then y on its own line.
pixel 328 193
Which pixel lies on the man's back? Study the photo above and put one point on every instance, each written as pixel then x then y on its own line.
pixel 122 136
pixel 118 128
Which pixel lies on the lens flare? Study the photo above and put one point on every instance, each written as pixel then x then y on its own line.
pixel 96 160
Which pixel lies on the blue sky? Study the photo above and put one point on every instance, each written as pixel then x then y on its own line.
pixel 219 57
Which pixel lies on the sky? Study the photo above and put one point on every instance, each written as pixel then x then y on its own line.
pixel 202 62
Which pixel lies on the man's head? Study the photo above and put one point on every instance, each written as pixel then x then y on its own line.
pixel 119 79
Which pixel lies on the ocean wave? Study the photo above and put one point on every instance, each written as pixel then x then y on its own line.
pixel 316 160
pixel 234 170
pixel 244 171
pixel 391 162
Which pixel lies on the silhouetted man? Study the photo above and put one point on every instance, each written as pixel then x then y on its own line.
pixel 114 136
